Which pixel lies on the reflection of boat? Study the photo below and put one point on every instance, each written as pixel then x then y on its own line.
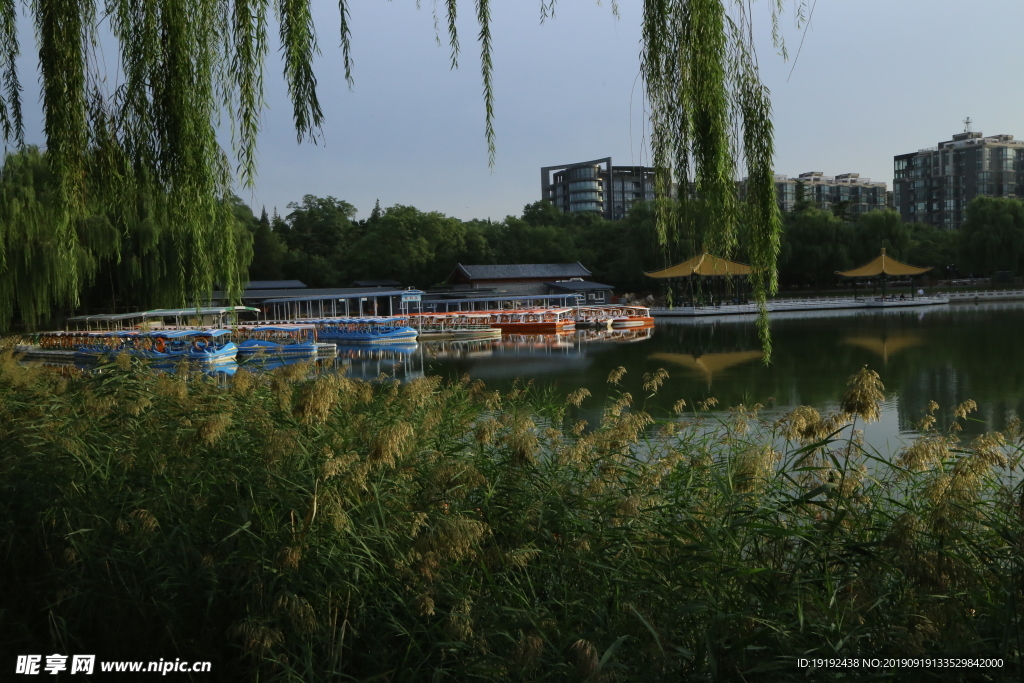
pixel 478 333
pixel 885 345
pixel 371 362
pixel 539 341
pixel 363 351
pixel 709 363
pixel 393 330
pixel 288 341
pixel 263 363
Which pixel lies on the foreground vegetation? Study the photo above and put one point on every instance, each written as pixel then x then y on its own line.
pixel 327 529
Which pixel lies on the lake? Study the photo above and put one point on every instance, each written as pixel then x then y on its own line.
pixel 945 353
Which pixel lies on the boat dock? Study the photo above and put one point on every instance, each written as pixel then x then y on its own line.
pixel 802 304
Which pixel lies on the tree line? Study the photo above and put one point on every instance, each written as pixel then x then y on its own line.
pixel 129 258
pixel 816 243
pixel 321 243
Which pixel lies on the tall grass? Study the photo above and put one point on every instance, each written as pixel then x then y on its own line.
pixel 328 529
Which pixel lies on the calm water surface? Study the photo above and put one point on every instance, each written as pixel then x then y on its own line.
pixel 947 354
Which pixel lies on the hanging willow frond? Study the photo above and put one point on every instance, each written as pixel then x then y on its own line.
pixel 141 185
pixel 709 113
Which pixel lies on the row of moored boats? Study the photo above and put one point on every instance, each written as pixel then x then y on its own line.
pixel 309 338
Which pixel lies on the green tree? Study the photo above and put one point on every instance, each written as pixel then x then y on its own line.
pixel 877 230
pixel 413 247
pixel 185 67
pixel 268 251
pixel 319 232
pixel 817 244
pixel 992 236
pixel 934 247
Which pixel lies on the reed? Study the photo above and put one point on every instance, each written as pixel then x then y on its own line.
pixel 325 529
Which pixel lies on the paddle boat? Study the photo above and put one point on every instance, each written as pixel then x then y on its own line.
pixel 207 347
pixel 384 330
pixel 285 341
pixel 453 325
pixel 633 316
pixel 541 320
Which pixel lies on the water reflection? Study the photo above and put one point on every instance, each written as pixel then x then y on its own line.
pixel 709 364
pixel 947 354
pixel 886 345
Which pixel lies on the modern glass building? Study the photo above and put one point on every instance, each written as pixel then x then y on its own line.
pixel 934 185
pixel 597 187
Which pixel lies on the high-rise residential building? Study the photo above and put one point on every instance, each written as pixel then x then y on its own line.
pixel 934 185
pixel 597 187
pixel 824 192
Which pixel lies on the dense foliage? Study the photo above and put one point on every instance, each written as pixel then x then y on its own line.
pixel 328 529
pixel 185 69
pixel 321 244
pixel 129 253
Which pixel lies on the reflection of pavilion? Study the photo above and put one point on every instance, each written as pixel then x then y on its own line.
pixel 886 345
pixel 709 363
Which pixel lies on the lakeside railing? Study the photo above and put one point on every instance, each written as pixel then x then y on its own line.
pixel 987 294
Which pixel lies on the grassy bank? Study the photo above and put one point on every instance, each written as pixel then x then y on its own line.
pixel 335 530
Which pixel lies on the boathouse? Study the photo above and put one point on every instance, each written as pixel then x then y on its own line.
pixel 591 293
pixel 516 279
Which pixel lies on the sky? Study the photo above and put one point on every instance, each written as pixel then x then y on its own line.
pixel 873 79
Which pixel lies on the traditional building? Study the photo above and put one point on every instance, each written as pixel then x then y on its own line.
pixel 934 185
pixel 526 278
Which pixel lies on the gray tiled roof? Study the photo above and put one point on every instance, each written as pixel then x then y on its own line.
pixel 263 295
pixel 524 270
pixel 275 284
pixel 376 283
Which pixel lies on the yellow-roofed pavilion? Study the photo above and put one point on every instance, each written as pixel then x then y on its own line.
pixel 706 265
pixel 884 266
pixel 710 266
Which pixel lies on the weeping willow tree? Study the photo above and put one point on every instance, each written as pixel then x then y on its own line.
pixel 710 116
pixel 141 165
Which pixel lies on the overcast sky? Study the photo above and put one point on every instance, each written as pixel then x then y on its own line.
pixel 873 79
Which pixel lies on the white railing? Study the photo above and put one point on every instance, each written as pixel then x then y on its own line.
pixel 988 294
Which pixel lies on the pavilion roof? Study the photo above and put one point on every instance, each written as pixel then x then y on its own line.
pixel 705 264
pixel 883 265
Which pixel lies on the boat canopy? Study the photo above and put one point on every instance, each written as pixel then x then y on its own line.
pixel 206 333
pixel 280 328
pixel 360 321
pixel 704 264
pixel 883 265
pixel 184 312
pixel 120 333
pixel 366 294
pixel 173 334
pixel 107 317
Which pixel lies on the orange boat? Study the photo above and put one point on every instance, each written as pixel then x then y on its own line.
pixel 543 321
pixel 633 316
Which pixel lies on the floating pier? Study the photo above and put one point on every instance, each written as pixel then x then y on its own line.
pixel 805 304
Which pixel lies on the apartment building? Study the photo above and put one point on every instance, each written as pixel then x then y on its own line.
pixel 935 184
